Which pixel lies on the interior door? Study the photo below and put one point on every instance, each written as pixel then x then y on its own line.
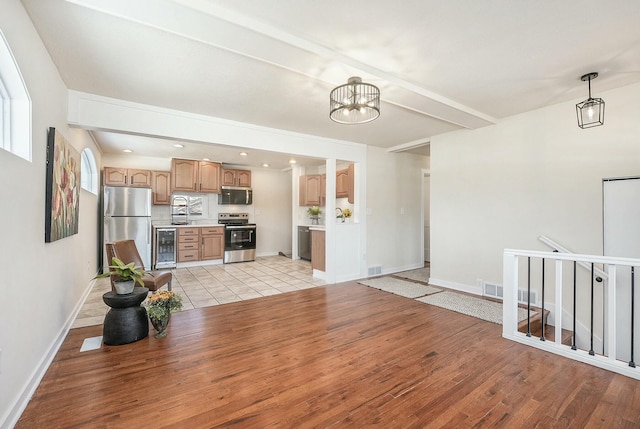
pixel 621 218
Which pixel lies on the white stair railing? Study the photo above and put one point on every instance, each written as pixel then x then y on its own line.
pixel 511 278
pixel 560 248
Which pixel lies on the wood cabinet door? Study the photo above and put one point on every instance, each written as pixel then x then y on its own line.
pixel 228 177
pixel 310 187
pixel 161 187
pixel 350 183
pixel 209 177
pixel 342 183
pixel 243 178
pixel 139 178
pixel 184 174
pixel 313 189
pixel 212 245
pixel 114 176
pixel 317 250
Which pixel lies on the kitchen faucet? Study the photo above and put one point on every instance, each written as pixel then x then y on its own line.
pixel 338 209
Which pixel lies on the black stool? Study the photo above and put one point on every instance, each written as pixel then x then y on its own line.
pixel 126 321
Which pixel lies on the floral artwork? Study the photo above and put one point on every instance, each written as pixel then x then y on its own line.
pixel 63 188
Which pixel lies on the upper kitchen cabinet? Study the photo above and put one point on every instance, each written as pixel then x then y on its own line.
pixel 232 177
pixel 117 176
pixel 311 190
pixel 342 183
pixel 345 183
pixel 161 187
pixel 195 176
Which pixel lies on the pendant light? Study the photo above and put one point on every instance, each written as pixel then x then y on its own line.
pixel 355 102
pixel 590 111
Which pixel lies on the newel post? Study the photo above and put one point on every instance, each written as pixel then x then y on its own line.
pixel 510 295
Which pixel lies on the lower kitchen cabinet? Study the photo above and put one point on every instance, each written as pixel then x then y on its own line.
pixel 317 250
pixel 211 242
pixel 200 243
pixel 188 244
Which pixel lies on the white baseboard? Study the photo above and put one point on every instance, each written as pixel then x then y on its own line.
pixel 403 268
pixel 10 419
pixel 476 290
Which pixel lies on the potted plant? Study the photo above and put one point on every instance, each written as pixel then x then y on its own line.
pixel 125 276
pixel 314 213
pixel 159 307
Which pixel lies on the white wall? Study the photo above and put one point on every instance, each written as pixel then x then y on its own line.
pixel 42 283
pixel 272 196
pixel 394 209
pixel 532 174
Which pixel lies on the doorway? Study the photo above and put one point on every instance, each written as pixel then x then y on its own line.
pixel 426 223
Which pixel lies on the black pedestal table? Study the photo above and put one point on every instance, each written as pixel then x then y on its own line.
pixel 126 321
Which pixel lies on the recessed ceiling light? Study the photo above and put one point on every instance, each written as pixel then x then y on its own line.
pixel 265 165
pixel 127 150
pixel 243 154
pixel 292 161
pixel 205 159
pixel 178 145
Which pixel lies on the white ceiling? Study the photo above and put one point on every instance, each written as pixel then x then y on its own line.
pixel 440 65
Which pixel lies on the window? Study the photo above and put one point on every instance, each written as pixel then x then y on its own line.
pixel 89 172
pixel 15 105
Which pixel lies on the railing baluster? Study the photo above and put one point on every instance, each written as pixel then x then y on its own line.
pixel 632 364
pixel 528 296
pixel 573 339
pixel 591 352
pixel 542 338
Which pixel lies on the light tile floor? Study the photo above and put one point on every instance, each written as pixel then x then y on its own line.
pixel 208 285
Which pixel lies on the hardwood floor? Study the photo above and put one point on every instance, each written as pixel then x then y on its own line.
pixel 345 356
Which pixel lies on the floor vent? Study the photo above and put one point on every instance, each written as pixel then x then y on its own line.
pixel 497 291
pixel 493 290
pixel 375 270
pixel 522 296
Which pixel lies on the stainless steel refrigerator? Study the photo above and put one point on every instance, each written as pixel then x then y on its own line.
pixel 127 216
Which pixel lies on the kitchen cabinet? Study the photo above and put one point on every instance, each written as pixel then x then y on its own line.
pixel 313 187
pixel 317 250
pixel 345 183
pixel 232 177
pixel 188 244
pixel 161 187
pixel 195 176
pixel 117 176
pixel 310 190
pixel 342 183
pixel 200 243
pixel 211 242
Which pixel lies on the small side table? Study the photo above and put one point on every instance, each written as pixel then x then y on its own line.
pixel 126 321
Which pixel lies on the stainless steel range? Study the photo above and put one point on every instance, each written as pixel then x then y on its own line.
pixel 239 237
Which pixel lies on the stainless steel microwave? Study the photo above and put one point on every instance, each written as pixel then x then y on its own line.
pixel 235 195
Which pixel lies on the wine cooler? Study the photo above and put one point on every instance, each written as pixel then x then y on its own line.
pixel 165 248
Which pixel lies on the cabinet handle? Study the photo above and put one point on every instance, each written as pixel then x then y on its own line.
pixel 125 179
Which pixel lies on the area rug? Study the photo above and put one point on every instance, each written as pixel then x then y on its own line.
pixel 420 274
pixel 471 306
pixel 400 287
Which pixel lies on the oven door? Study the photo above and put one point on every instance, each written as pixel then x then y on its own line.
pixel 239 237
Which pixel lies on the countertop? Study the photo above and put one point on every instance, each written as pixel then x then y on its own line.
pixel 198 224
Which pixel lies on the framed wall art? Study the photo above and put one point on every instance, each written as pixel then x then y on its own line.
pixel 62 188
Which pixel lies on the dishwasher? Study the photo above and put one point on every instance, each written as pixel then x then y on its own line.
pixel 304 242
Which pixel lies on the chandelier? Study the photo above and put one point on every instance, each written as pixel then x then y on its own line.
pixel 590 111
pixel 355 102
